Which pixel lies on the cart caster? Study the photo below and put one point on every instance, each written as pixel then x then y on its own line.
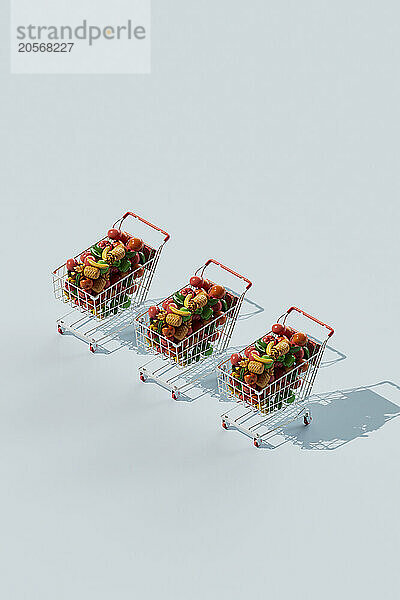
pixel 142 377
pixel 224 424
pixel 256 443
pixel 60 329
pixel 175 395
pixel 307 418
pixel 92 348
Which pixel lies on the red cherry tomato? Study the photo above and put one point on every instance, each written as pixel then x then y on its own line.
pixel 278 329
pixel 84 255
pixel 248 351
pixel 103 243
pixel 138 273
pixel 235 359
pixel 196 281
pixel 86 284
pixel 71 263
pixel 114 234
pixel 153 312
pixel 289 331
pixel 216 291
pixel 250 379
pixel 166 303
pixel 206 284
pixel 299 339
pixel 134 244
pixel 268 338
pixel 186 290
pixel 125 236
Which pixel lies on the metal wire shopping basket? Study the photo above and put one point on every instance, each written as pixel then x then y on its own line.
pixel 262 413
pixel 176 365
pixel 100 315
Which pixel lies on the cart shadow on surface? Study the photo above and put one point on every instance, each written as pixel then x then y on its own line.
pixel 195 383
pixel 331 357
pixel 342 416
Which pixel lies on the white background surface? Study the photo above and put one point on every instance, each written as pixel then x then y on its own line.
pixel 266 136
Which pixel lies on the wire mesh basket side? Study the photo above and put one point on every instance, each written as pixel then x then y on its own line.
pixel 132 289
pixel 209 340
pixel 291 388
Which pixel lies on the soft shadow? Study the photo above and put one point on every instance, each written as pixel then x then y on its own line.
pixel 331 357
pixel 249 309
pixel 342 416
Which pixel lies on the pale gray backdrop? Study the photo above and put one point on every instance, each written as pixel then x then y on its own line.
pixel 266 136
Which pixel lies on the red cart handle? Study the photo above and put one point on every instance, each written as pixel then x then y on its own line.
pixel 331 331
pixel 127 214
pixel 215 262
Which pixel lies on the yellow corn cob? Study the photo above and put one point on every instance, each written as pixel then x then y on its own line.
pixel 174 320
pixel 282 347
pixel 201 300
pixel 91 272
pixel 118 252
pixel 255 367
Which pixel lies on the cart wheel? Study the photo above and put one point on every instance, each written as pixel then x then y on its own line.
pixel 92 348
pixel 142 377
pixel 256 443
pixel 175 395
pixel 60 329
pixel 224 424
pixel 307 418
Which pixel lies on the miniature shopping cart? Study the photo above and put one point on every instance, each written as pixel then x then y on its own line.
pixel 97 319
pixel 177 366
pixel 260 414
